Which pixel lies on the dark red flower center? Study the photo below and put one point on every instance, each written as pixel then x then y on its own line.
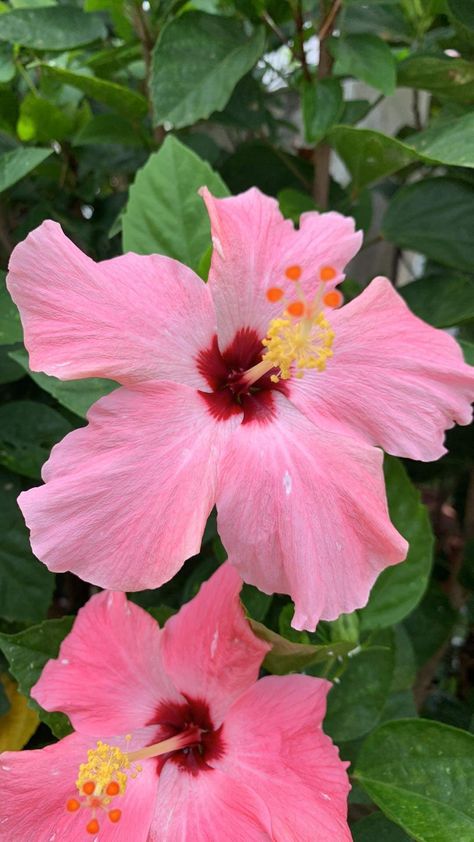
pixel 175 719
pixel 231 395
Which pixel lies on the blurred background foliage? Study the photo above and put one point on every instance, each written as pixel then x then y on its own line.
pixel 112 114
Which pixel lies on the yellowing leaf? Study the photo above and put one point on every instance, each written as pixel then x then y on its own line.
pixel 19 724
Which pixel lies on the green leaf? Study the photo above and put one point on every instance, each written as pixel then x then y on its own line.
pixel 28 431
pixel 434 217
pixel 218 53
pixel 366 57
pixel 462 11
pixel 27 586
pixel 357 699
pixel 127 102
pixel 322 103
pixel 51 28
pixel 10 325
pixel 42 120
pixel 441 300
pixel 107 129
pixel 468 351
pixel 293 204
pixel 19 162
pixel 445 77
pixel 431 624
pixel 76 395
pixel 7 65
pixel 421 774
pixel 255 602
pixel 369 155
pixel 165 214
pixel 10 371
pixel 449 142
pixel 400 588
pixel 286 656
pixel 377 828
pixel 27 653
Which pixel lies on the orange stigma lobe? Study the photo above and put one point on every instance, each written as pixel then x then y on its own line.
pixel 72 805
pixel 88 788
pixel 112 788
pixel 274 294
pixel 327 273
pixel 115 816
pixel 92 826
pixel 333 299
pixel 296 308
pixel 293 273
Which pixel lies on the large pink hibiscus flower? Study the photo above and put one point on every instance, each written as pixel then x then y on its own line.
pixel 207 752
pixel 280 435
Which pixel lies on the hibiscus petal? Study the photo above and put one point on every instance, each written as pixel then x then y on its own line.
pixel 36 786
pixel 226 655
pixel 254 245
pixel 209 807
pixel 393 381
pixel 303 511
pixel 109 676
pixel 127 497
pixel 132 318
pixel 276 747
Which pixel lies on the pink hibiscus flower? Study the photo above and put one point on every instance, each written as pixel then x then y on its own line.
pixel 207 752
pixel 213 408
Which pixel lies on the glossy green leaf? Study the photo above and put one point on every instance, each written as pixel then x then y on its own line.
pixel 164 213
pixel 400 588
pixel 322 104
pixel 369 155
pixel 421 774
pixel 377 828
pixel 26 585
pixel 27 653
pixel 218 53
pixel 441 300
pixel 445 77
pixel 434 217
pixel 76 395
pixel 28 431
pixel 287 656
pixel 449 142
pixel 10 325
pixel 51 28
pixel 19 162
pixel 366 57
pixel 356 701
pixel 124 100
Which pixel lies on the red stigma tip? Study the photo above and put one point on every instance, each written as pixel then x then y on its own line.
pixel 333 299
pixel 88 787
pixel 72 805
pixel 327 273
pixel 112 788
pixel 296 308
pixel 92 826
pixel 274 294
pixel 115 816
pixel 293 273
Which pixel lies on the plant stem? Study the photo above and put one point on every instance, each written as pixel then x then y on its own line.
pixel 322 152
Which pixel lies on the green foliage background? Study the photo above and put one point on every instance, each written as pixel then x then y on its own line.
pixel 112 114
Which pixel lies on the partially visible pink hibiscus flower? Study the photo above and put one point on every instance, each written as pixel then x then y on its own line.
pixel 250 392
pixel 207 753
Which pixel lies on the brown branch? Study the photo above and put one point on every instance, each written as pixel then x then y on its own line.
pixel 299 41
pixel 327 25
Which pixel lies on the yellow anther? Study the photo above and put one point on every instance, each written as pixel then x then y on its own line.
pixel 303 344
pixel 105 764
